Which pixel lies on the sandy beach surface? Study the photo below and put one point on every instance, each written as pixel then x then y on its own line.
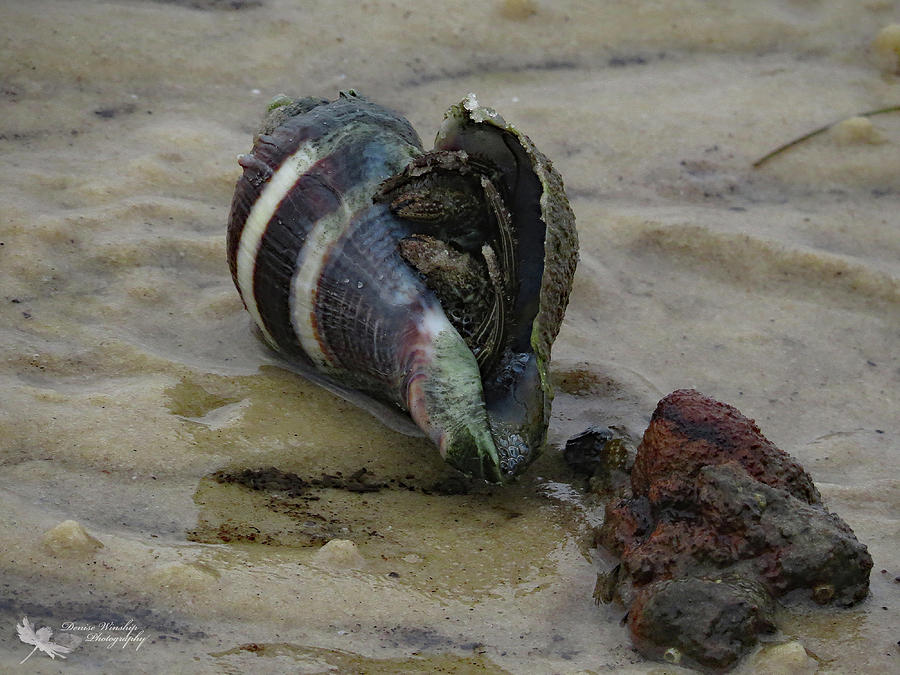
pixel 131 382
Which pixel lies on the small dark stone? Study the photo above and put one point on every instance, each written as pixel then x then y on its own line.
pixel 114 111
pixel 708 622
pixel 605 457
pixel 584 451
pixel 621 61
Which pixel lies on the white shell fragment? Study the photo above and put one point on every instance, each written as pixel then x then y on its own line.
pixel 340 554
pixel 70 539
pixel 181 576
pixel 855 130
pixel 887 48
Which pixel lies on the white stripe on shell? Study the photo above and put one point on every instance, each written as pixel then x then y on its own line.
pixel 258 219
pixel 309 264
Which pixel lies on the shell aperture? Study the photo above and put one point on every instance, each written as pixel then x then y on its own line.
pixel 431 281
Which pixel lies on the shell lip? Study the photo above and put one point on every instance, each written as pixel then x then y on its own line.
pixel 533 209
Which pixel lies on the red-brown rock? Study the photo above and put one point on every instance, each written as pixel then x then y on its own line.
pixel 717 509
pixel 689 430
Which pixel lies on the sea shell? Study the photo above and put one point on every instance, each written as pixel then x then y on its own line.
pixel 431 281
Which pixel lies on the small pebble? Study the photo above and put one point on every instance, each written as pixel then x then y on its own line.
pixel 788 658
pixel 855 130
pixel 69 538
pixel 887 48
pixel 184 576
pixel 340 554
pixel 518 9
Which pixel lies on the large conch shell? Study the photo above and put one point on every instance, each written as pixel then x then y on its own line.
pixel 435 282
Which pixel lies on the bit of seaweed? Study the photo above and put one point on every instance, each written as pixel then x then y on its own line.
pixel 292 485
pixel 266 480
pixel 816 132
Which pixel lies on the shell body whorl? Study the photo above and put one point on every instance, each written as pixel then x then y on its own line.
pixel 417 278
pixel 306 184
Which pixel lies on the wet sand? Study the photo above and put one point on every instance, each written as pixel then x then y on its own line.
pixel 130 380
